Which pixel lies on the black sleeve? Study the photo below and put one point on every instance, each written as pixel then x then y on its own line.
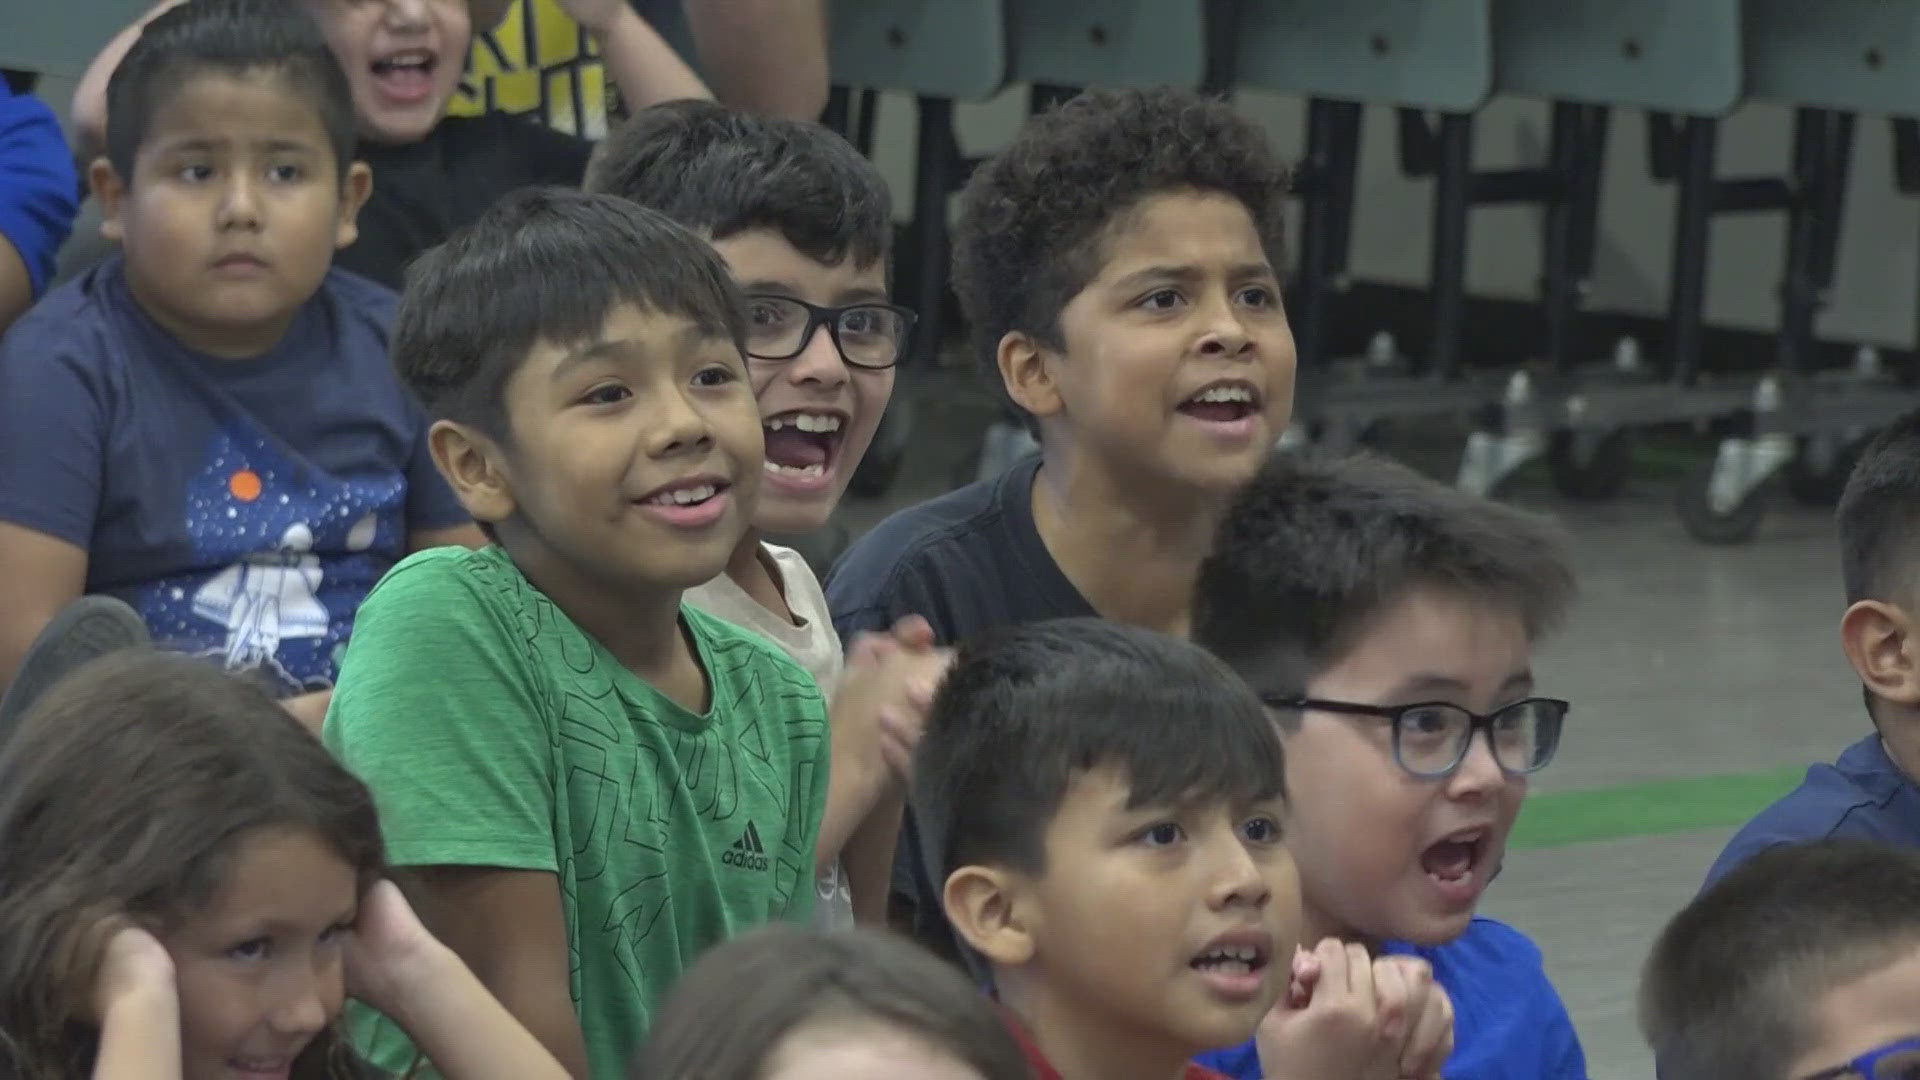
pixel 544 155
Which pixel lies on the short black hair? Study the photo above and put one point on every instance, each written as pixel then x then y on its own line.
pixel 1034 218
pixel 228 37
pixel 721 171
pixel 1879 548
pixel 1734 979
pixel 544 265
pixel 1317 546
pixel 1025 711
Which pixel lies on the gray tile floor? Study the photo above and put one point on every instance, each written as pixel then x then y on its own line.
pixel 1683 660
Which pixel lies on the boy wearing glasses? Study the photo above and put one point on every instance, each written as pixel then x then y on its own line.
pixel 1388 621
pixel 804 225
pixel 1801 964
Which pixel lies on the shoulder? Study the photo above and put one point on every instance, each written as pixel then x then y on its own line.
pixel 934 532
pixel 441 587
pixel 1864 796
pixel 73 318
pixel 361 297
pixel 745 658
pixel 1490 945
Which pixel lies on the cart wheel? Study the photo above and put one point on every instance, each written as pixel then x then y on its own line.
pixel 1736 526
pixel 1600 478
pixel 1822 487
pixel 875 474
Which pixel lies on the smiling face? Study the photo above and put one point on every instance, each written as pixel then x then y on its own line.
pixel 1178 362
pixel 233 212
pixel 1174 923
pixel 259 969
pixel 403 59
pixel 819 413
pixel 632 459
pixel 1384 854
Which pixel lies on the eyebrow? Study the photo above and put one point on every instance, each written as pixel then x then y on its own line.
pixel 601 350
pixel 1189 273
pixel 858 294
pixel 1422 684
pixel 272 146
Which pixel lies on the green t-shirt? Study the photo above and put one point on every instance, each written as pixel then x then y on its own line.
pixel 495 732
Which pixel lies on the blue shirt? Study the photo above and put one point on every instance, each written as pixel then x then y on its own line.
pixel 39 189
pixel 1508 1024
pixel 1863 795
pixel 244 508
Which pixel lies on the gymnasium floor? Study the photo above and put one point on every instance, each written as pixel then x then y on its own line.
pixel 1704 681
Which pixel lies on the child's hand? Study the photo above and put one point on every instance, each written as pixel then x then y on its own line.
pixel 1430 1042
pixel 110 959
pixel 882 702
pixel 389 951
pixel 594 16
pixel 1342 1015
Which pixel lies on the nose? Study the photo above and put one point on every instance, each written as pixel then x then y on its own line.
pixel 1479 773
pixel 240 205
pixel 676 427
pixel 406 14
pixel 1224 335
pixel 305 1004
pixel 1238 879
pixel 819 362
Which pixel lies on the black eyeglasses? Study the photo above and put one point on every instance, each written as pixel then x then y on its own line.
pixel 870 336
pixel 1894 1061
pixel 1431 738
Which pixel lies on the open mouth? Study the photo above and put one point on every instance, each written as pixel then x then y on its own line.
pixel 406 75
pixel 693 503
pixel 803 446
pixel 1451 862
pixel 1236 961
pixel 1222 402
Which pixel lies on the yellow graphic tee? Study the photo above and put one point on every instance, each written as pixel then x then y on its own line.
pixel 539 62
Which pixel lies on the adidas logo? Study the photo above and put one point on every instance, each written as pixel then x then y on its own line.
pixel 747 853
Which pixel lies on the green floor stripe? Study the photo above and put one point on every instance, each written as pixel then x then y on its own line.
pixel 1648 809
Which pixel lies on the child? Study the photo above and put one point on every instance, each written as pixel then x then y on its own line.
pixel 403 60
pixel 1869 792
pixel 802 221
pixel 1116 263
pixel 1803 963
pixel 1103 807
pixel 193 886
pixel 38 199
pixel 1390 621
pixel 206 425
pixel 781 1003
pixel 589 782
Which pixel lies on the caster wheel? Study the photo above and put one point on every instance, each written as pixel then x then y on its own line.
pixel 1601 477
pixel 1705 524
pixel 1821 488
pixel 876 473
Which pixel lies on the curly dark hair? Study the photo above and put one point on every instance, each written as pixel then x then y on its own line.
pixel 1033 217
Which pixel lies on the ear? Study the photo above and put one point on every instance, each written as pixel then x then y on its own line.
pixel 354 189
pixel 988 909
pixel 1026 372
pixel 473 466
pixel 106 186
pixel 1879 641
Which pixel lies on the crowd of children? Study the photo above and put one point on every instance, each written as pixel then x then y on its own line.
pixel 1174 755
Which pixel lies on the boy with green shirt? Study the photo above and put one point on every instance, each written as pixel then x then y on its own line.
pixel 587 782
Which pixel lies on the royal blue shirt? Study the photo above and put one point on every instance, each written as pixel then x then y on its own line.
pixel 1863 795
pixel 244 508
pixel 1508 1020
pixel 39 190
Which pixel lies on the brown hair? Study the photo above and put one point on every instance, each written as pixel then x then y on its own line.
pixel 129 787
pixel 729 1012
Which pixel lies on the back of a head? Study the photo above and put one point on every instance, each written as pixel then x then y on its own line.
pixel 721 172
pixel 1317 546
pixel 1025 711
pixel 1879 512
pixel 1733 983
pixel 729 1013
pixel 227 37
pixel 545 265
pixel 129 786
pixel 1034 217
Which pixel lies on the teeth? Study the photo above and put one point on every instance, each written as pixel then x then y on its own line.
pixel 807 472
pixel 684 496
pixel 1224 394
pixel 1244 954
pixel 816 422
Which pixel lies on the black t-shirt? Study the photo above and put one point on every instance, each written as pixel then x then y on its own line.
pixel 423 191
pixel 969 561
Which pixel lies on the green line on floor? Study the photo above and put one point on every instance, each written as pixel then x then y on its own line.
pixel 1648 809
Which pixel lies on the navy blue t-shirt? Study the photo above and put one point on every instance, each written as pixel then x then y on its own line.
pixel 244 508
pixel 1508 1020
pixel 1864 795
